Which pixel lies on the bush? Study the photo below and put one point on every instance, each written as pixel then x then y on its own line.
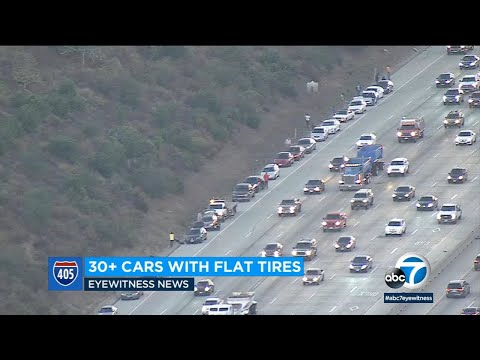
pixel 82 184
pixel 135 144
pixel 207 100
pixel 157 182
pixel 64 148
pixel 34 162
pixel 9 131
pixel 117 233
pixel 109 158
pixel 65 99
pixel 38 205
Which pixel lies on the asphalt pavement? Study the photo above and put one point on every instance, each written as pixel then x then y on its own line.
pixel 256 223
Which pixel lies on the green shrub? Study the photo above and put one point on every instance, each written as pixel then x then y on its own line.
pixel 34 162
pixel 9 131
pixel 82 184
pixel 116 233
pixel 64 148
pixel 38 205
pixel 157 182
pixel 207 100
pixel 109 158
pixel 29 117
pixel 135 144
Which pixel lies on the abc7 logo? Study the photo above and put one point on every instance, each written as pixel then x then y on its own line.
pixel 411 271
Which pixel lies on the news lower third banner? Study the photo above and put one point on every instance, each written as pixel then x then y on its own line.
pixel 86 274
pixel 408 298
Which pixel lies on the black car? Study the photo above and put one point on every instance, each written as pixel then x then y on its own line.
pixel 387 86
pixel 445 80
pixel 469 62
pixel 308 143
pixel 306 248
pixel 204 287
pixel 405 192
pixel 256 181
pixel 345 243
pixel 427 203
pixel 361 263
pixel 338 163
pixel 457 175
pixel 272 250
pixel 314 187
pixel 474 100
pixel 453 96
pixel 211 222
pixel 197 224
pixel 195 236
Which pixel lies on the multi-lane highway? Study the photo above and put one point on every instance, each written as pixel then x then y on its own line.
pixel 431 158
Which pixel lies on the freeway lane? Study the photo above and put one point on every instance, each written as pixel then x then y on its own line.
pixel 247 234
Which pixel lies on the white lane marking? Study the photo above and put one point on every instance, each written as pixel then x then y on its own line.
pixel 380 176
pixel 163 312
pixel 475 178
pixel 473 151
pixel 280 234
pixel 390 117
pixel 421 71
pixel 470 305
pixel 409 102
pixel 141 303
pixel 333 308
pixel 228 252
pixel 376 267
pixel 416 172
pixel 331 277
pixel 435 183
pixel 271 302
pixel 314 261
pixel 195 313
pixel 428 88
pixel 358 222
pixel 294 281
pixel 311 296
pixel 454 196
pixel 340 210
pixel 257 285
pixel 414 231
pixel 184 292
pixel 434 213
pixel 298 218
pixel 268 217
pixel 436 155
pixel 373 238
pixel 323 198
pixel 475 123
pixel 355 288
pixel 250 233
pixel 438 128
pixel 377 206
pixel 394 250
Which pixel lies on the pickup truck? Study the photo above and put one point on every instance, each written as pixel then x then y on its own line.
pixel 289 207
pixel 449 213
pixel 306 248
pixel 222 208
pixel 334 221
pixel 313 276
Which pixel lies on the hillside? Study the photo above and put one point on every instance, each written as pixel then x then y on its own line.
pixel 104 150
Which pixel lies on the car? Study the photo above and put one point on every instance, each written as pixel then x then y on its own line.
pixel 313 276
pixel 362 198
pixel 290 207
pixel 308 143
pixel 334 221
pixel 306 248
pixel 204 287
pixel 445 80
pixel 345 243
pixel 387 86
pixel 404 192
pixel 470 83
pixel 458 49
pixel 471 310
pixel 427 203
pixel 273 171
pixel 314 187
pixel 449 214
pixel 211 221
pixel 398 166
pixel 370 97
pixel 468 137
pixel 331 125
pixel 344 115
pixel 209 302
pixel 457 175
pixel 338 163
pixel 458 288
pixel 319 133
pixel 195 236
pixel 272 250
pixel 377 89
pixel 361 263
pixel 476 263
pixel 243 192
pixel 453 96
pixel 284 159
pixel 131 295
pixel 358 106
pixel 396 226
pixel 366 139
pixel 197 224
pixel 469 62
pixel 108 310
pixel 474 100
pixel 454 118
pixel 256 181
pixel 297 151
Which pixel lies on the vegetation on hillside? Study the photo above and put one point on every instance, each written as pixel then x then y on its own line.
pixel 89 134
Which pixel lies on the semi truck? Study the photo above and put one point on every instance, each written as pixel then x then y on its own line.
pixel 356 174
pixel 375 153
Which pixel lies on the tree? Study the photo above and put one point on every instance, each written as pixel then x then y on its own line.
pixel 92 53
pixel 25 70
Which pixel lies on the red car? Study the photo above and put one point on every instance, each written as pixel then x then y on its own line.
pixel 334 221
pixel 297 151
pixel 284 159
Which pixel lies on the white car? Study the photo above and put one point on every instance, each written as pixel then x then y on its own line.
pixel 358 106
pixel 332 126
pixel 108 310
pixel 396 227
pixel 378 89
pixel 319 133
pixel 273 171
pixel 398 166
pixel 344 115
pixel 209 303
pixel 466 137
pixel 470 83
pixel 366 139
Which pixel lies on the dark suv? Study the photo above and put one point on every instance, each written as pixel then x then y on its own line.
pixel 243 192
pixel 362 198
pixel 458 288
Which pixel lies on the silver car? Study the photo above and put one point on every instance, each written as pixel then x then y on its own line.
pixel 319 134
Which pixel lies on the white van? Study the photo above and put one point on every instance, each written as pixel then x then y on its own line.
pixel 223 309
